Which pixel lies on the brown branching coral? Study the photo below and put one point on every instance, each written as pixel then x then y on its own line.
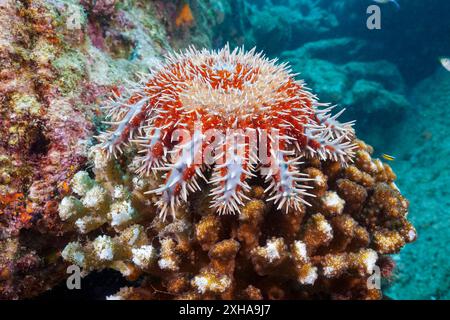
pixel 329 250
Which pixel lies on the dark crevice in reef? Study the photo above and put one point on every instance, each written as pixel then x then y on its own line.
pixel 40 144
pixel 94 286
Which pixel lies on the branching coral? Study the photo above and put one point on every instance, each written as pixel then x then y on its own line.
pixel 327 250
pixel 116 200
pixel 327 247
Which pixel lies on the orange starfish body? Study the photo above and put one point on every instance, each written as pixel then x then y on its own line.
pixel 204 92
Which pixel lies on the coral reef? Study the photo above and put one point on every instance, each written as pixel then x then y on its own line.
pixel 191 21
pixel 284 25
pixel 327 247
pixel 328 250
pixel 61 57
pixel 58 60
pixel 373 77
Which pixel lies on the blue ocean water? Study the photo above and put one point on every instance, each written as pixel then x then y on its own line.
pixel 388 75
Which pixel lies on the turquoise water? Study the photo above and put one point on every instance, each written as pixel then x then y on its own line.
pixel 391 81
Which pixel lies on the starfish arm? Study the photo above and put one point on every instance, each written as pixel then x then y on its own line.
pixel 152 150
pixel 229 181
pixel 181 176
pixel 334 127
pixel 285 181
pixel 126 120
pixel 323 144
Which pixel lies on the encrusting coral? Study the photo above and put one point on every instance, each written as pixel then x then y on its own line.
pixel 327 247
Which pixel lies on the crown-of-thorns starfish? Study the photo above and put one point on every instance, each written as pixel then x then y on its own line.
pixel 224 90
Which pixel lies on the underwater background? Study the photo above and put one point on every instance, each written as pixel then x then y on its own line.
pixel 390 80
pixel 61 58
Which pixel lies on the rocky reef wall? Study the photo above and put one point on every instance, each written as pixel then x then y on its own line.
pixel 58 59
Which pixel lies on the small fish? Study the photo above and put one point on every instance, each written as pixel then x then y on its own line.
pixel 387 1
pixel 445 63
pixel 185 17
pixel 388 157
